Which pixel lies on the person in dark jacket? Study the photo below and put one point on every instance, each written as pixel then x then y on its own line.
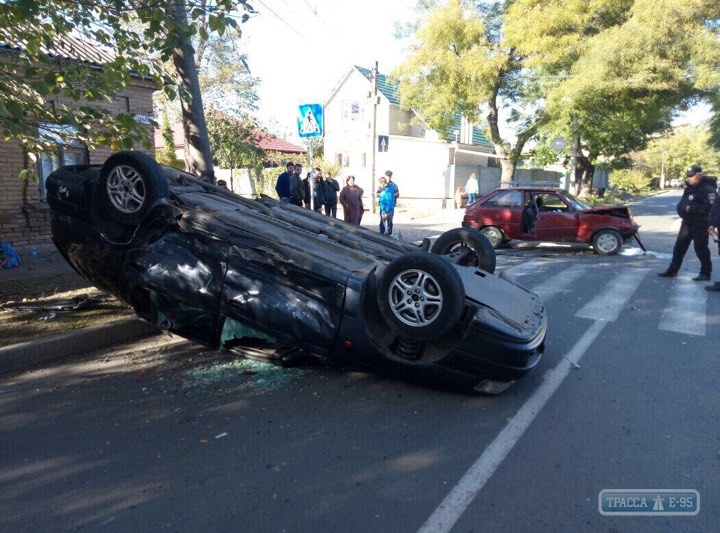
pixel 282 186
pixel 694 209
pixel 297 188
pixel 351 201
pixel 314 191
pixel 331 187
pixel 713 232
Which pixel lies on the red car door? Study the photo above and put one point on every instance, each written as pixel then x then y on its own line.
pixel 557 221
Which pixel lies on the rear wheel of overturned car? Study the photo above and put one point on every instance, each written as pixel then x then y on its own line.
pixel 493 235
pixel 607 242
pixel 420 295
pixel 474 248
pixel 130 183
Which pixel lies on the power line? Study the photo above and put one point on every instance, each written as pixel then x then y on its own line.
pixel 293 28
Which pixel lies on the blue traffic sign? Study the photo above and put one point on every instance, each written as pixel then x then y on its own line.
pixel 383 143
pixel 310 120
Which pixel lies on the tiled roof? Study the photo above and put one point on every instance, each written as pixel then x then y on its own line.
pixel 389 89
pixel 70 46
pixel 477 136
pixel 269 142
pixel 262 140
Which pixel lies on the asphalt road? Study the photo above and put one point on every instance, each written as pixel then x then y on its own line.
pixel 164 435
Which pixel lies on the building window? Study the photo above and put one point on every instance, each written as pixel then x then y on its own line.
pixel 352 111
pixel 67 152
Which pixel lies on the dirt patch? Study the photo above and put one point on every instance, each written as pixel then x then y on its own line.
pixel 49 305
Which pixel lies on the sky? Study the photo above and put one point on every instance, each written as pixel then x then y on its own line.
pixel 301 49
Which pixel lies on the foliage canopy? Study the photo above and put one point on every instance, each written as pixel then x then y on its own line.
pixel 41 36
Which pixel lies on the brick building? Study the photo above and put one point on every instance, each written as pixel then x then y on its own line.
pixel 24 213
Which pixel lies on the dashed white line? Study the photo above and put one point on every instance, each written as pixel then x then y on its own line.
pixel 460 497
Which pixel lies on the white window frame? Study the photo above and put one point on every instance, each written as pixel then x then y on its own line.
pixel 68 152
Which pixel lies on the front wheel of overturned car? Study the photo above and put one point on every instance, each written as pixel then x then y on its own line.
pixel 130 183
pixel 607 242
pixel 420 295
pixel 473 248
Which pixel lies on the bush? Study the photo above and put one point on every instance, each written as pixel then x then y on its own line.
pixel 632 181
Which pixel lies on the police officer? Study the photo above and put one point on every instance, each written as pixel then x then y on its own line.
pixel 713 231
pixel 694 208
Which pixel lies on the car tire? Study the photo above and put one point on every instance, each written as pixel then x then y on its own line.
pixel 607 242
pixel 420 295
pixel 130 183
pixel 493 235
pixel 456 239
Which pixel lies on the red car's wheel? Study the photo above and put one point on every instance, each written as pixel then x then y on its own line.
pixel 492 234
pixel 607 242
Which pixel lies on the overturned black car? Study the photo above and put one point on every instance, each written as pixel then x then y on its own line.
pixel 249 275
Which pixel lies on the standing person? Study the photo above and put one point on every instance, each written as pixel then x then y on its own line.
pixel 392 184
pixel 713 231
pixel 297 189
pixel 471 188
pixel 330 190
pixel 386 201
pixel 694 209
pixel 282 185
pixel 459 198
pixel 351 201
pixel 314 191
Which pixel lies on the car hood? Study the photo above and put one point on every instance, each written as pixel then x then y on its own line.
pixel 617 210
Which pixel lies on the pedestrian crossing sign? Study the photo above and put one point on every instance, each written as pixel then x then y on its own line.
pixel 310 120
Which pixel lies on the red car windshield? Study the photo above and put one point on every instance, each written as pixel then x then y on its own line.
pixel 577 203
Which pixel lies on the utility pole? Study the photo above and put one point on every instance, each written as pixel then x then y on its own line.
pixel 662 168
pixel 373 136
pixel 574 156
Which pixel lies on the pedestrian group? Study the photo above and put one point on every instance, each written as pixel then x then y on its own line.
pixel 321 193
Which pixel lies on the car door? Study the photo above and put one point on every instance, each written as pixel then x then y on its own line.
pixel 176 282
pixel 557 220
pixel 504 210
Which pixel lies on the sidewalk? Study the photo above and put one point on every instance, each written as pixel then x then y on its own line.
pixel 50 263
pixel 47 262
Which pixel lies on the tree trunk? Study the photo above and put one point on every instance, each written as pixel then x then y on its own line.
pixel 508 172
pixel 584 174
pixel 198 156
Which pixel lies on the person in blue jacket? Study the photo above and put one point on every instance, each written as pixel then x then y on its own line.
pixel 386 203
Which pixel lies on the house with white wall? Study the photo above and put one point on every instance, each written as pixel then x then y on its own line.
pixel 367 131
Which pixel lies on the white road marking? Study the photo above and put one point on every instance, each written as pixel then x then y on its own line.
pixel 686 309
pixel 602 309
pixel 460 497
pixel 559 282
pixel 526 268
pixel 608 304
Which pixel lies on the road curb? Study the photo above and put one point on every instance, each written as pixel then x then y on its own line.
pixel 79 341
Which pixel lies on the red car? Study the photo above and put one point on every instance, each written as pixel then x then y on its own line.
pixel 548 214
